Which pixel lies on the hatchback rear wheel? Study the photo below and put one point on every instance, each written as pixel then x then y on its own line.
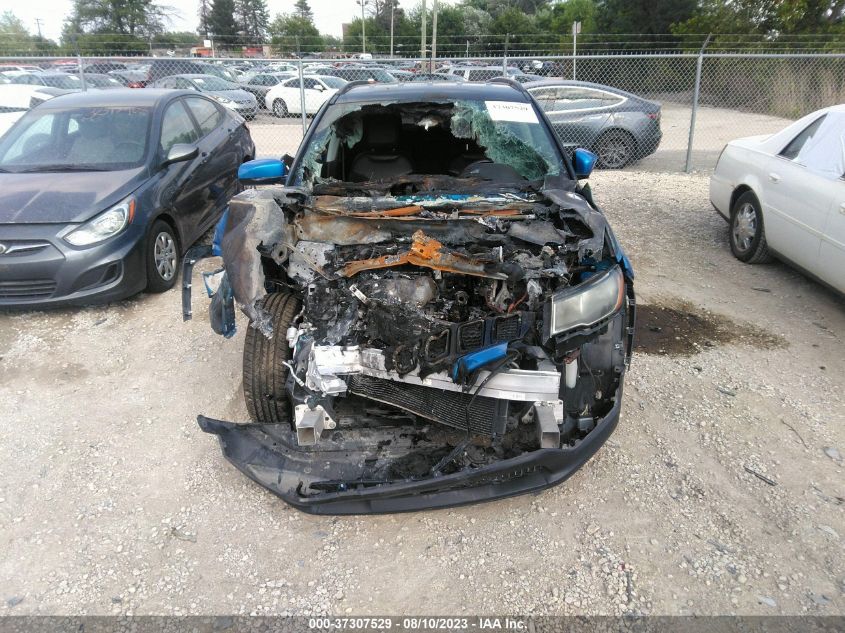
pixel 615 149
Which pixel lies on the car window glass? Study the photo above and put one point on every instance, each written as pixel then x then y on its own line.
pixel 291 83
pixel 206 113
pixel 176 127
pixel 824 152
pixel 34 138
pixel 792 150
pixel 309 83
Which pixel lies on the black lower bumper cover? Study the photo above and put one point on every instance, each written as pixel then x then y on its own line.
pixel 269 462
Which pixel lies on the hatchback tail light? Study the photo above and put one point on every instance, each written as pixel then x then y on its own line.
pixel 654 116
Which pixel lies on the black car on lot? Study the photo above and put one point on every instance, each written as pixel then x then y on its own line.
pixel 440 313
pixel 101 192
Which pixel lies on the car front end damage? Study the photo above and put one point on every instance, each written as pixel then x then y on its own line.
pixel 444 339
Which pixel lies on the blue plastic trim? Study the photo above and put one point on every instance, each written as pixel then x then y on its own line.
pixel 219 230
pixel 465 365
pixel 261 171
pixel 584 161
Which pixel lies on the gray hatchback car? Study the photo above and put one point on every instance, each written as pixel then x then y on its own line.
pixel 618 126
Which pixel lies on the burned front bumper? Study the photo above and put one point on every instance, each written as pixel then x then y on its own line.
pixel 284 468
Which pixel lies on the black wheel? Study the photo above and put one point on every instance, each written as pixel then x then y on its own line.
pixel 615 149
pixel 264 371
pixel 162 257
pixel 747 235
pixel 280 108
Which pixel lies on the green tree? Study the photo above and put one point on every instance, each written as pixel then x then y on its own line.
pixel 16 38
pixel 302 9
pixel 770 18
pixel 646 17
pixel 252 18
pixel 222 22
pixel 291 33
pixel 557 19
pixel 136 18
pixel 203 12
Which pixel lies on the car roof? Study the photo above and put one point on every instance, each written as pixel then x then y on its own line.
pixel 117 97
pixel 432 91
pixel 571 82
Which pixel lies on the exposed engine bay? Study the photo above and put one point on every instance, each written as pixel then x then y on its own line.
pixel 442 321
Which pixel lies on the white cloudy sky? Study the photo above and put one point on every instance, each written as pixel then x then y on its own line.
pixel 328 14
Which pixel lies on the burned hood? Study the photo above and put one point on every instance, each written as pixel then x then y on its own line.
pixel 36 198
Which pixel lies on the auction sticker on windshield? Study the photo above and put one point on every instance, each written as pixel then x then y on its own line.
pixel 511 111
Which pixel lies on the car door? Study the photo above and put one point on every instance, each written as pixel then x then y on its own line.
pixel 289 93
pixel 825 154
pixel 314 94
pixel 796 201
pixel 180 189
pixel 220 156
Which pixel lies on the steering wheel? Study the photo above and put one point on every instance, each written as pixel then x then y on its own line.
pixel 466 170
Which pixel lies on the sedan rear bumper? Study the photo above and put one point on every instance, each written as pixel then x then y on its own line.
pixel 284 468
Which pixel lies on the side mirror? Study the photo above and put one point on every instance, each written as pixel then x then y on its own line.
pixel 583 161
pixel 319 87
pixel 287 159
pixel 180 153
pixel 264 171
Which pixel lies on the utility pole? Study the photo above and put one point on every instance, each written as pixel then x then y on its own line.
pixel 422 42
pixel 433 37
pixel 38 24
pixel 576 29
pixel 392 7
pixel 363 27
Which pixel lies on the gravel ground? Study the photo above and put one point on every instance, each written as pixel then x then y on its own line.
pixel 112 500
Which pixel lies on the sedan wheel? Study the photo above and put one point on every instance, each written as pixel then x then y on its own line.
pixel 747 236
pixel 615 149
pixel 745 227
pixel 280 108
pixel 162 258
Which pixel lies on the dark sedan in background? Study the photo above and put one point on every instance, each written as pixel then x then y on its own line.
pixel 618 126
pixel 101 192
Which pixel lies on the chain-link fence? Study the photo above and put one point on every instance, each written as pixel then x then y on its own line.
pixel 653 112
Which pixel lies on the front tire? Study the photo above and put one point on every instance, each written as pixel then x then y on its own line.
pixel 280 108
pixel 162 257
pixel 615 149
pixel 264 372
pixel 747 234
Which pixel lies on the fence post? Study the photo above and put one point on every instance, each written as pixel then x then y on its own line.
pixel 505 56
pixel 302 98
pixel 79 70
pixel 695 93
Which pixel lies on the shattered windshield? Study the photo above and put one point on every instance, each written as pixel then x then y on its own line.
pixel 492 140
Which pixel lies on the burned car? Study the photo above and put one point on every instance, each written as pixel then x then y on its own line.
pixel 439 313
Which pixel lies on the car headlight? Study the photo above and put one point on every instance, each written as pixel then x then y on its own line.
pixel 224 100
pixel 108 224
pixel 586 304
